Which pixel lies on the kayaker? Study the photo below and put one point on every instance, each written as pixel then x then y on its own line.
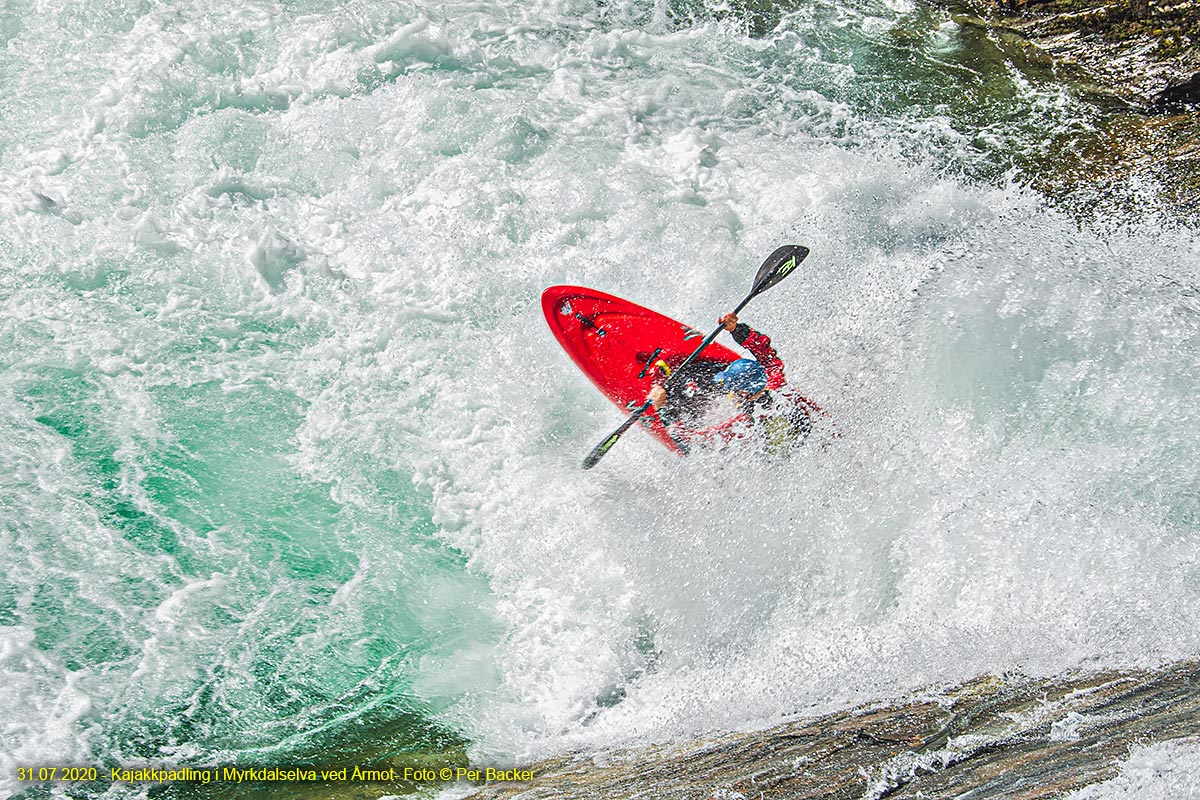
pixel 763 406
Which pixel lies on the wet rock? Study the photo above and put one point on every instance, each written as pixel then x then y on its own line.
pixel 1138 58
pixel 1133 49
pixel 1180 95
pixel 994 737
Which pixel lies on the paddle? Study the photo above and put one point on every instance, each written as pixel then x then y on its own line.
pixel 778 266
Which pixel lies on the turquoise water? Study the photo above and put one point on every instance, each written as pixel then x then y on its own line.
pixel 290 461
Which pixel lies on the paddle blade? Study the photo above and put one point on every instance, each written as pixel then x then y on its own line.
pixel 778 266
pixel 599 450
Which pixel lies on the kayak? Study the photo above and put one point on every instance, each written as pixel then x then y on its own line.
pixel 624 348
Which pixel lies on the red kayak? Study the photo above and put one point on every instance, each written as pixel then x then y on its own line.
pixel 625 348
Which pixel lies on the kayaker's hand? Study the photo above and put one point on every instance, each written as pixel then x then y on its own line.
pixel 730 321
pixel 657 396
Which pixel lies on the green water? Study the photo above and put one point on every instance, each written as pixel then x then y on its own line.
pixel 289 462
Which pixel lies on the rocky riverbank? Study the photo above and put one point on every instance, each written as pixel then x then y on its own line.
pixel 1140 58
pixel 994 737
pixel 1142 51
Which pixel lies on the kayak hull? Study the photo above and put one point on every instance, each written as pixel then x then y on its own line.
pixel 624 348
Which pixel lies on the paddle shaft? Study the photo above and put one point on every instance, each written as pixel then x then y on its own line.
pixel 602 448
pixel 778 266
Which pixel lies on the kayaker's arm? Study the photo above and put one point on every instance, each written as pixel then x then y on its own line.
pixel 657 397
pixel 759 345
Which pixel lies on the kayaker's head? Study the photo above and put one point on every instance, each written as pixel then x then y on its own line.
pixel 744 377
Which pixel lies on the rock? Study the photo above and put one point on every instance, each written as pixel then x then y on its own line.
pixel 996 737
pixel 1141 60
pixel 1134 49
pixel 1179 95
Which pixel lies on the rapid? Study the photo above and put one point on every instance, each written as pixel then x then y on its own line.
pixel 289 459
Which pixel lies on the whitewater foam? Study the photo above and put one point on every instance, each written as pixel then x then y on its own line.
pixel 287 447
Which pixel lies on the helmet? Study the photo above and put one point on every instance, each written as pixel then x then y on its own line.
pixel 743 375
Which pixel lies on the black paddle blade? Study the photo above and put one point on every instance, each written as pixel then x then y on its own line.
pixel 778 266
pixel 599 450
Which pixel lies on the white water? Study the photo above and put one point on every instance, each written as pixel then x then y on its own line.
pixel 1164 771
pixel 1013 490
pixel 342 219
